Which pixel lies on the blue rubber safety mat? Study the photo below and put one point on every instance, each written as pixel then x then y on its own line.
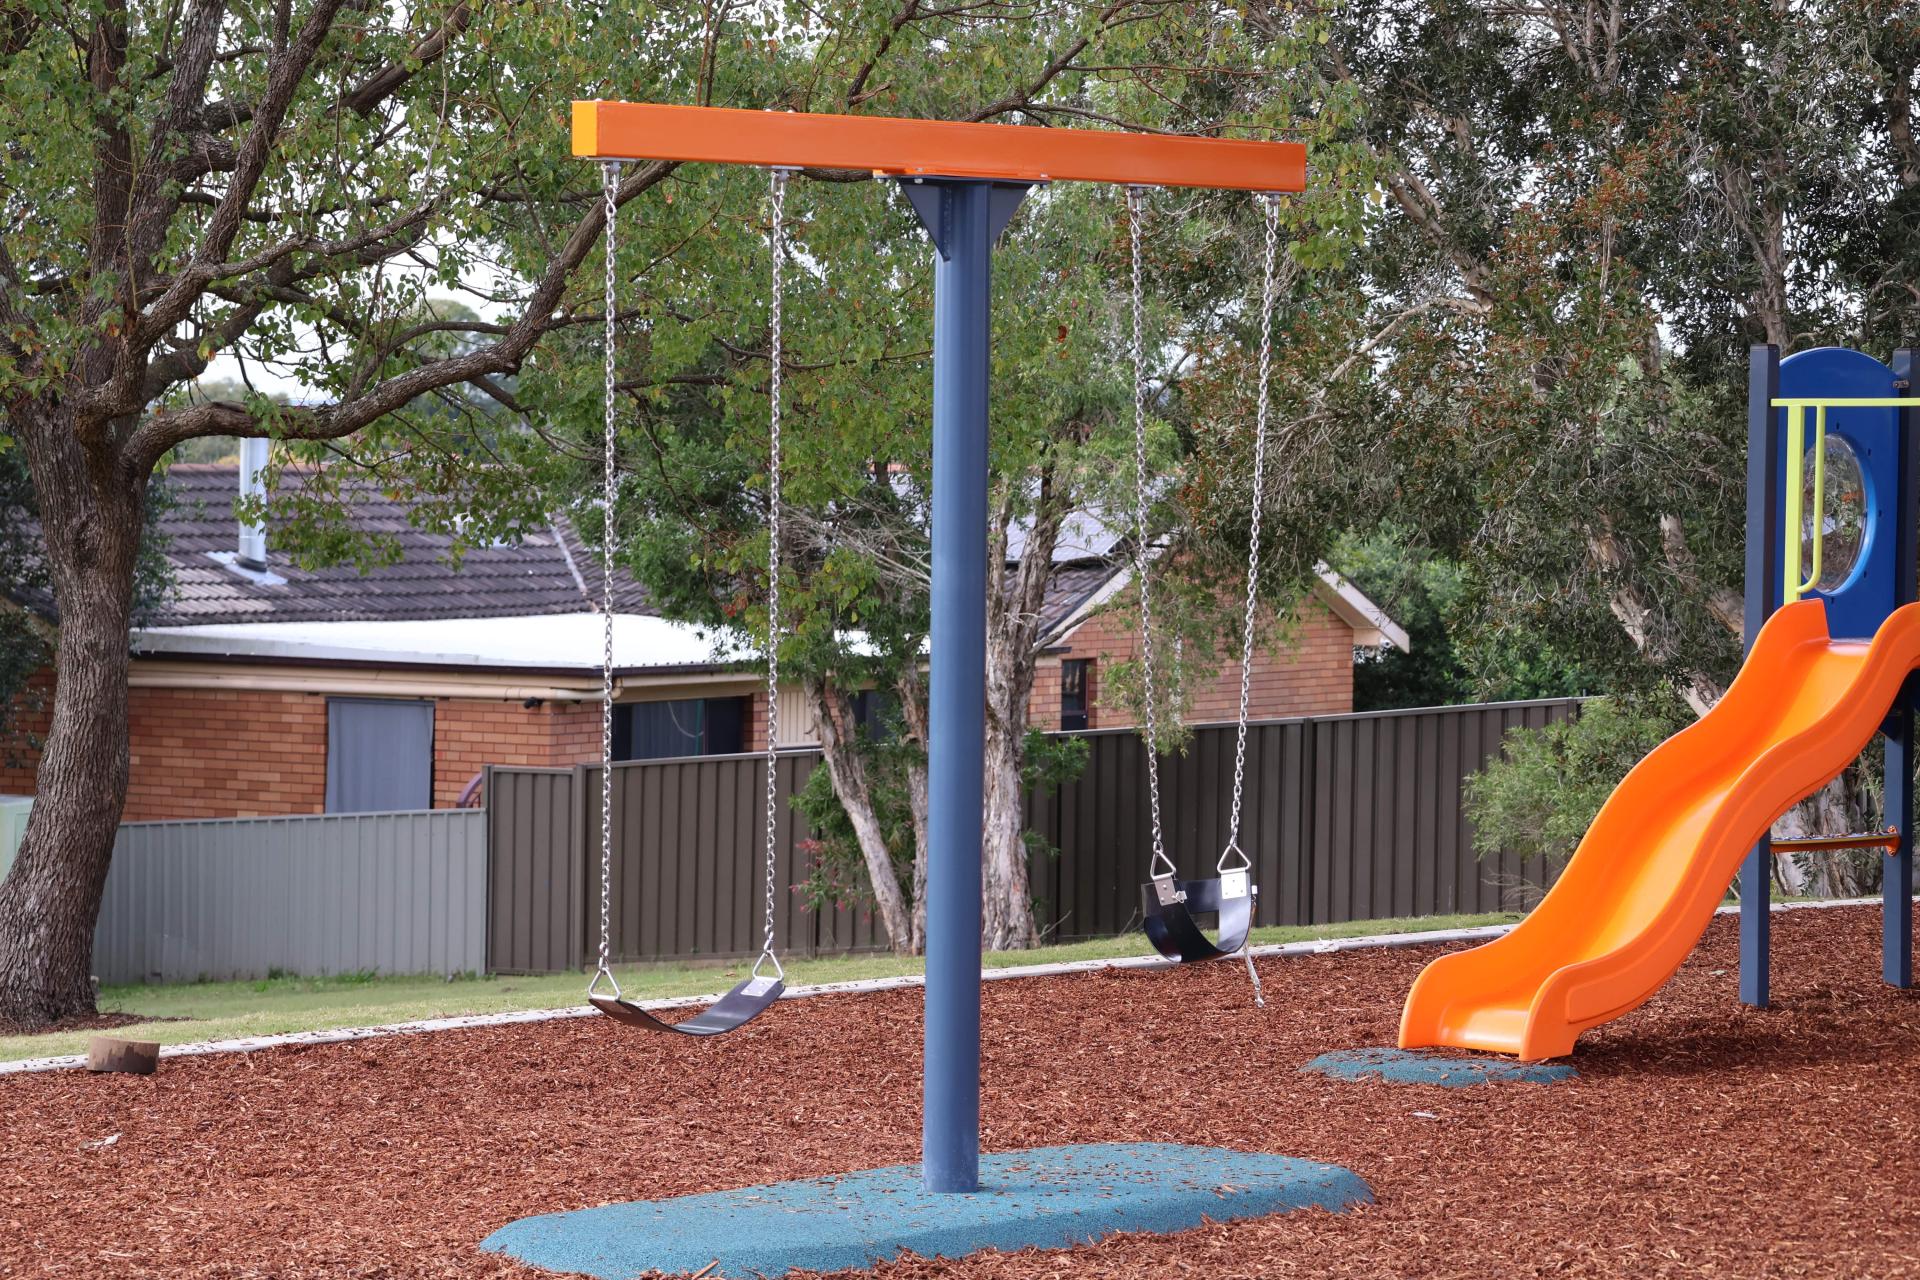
pixel 1051 1197
pixel 1406 1066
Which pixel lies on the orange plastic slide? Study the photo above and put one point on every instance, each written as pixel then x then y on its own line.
pixel 1645 880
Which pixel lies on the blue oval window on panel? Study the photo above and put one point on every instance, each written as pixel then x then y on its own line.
pixel 1843 514
pixel 1857 563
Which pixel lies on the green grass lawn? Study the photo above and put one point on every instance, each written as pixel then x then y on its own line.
pixel 224 1010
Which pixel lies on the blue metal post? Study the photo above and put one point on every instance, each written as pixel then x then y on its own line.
pixel 1896 885
pixel 1765 583
pixel 963 218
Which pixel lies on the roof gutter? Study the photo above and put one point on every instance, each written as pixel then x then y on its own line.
pixel 150 673
pixel 370 660
pixel 156 675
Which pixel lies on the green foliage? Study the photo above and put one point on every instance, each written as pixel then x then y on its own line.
pixel 838 876
pixel 1577 229
pixel 1540 796
pixel 1050 760
pixel 1053 759
pixel 1433 596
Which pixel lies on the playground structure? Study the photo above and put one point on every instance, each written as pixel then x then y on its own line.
pixel 1829 663
pixel 1827 660
pixel 964 182
pixel 1169 904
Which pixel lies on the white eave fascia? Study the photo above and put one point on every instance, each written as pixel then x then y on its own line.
pixel 1372 628
pixel 557 642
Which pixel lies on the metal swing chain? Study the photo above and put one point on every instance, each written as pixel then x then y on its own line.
pixel 1268 296
pixel 1160 867
pixel 610 187
pixel 776 356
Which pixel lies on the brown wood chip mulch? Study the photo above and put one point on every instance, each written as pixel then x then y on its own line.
pixel 1701 1139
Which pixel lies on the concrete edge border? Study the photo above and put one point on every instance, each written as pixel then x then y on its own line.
pixel 342 1035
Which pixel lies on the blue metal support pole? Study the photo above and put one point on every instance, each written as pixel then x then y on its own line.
pixel 963 219
pixel 1896 885
pixel 1765 584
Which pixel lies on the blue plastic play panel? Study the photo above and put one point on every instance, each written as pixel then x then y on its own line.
pixel 1051 1197
pixel 1403 1066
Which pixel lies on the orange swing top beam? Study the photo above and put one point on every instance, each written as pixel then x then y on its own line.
pixel 891 147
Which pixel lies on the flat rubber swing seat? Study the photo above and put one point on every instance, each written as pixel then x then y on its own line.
pixel 738 1007
pixel 1169 918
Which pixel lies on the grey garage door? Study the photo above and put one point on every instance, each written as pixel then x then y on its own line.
pixel 379 755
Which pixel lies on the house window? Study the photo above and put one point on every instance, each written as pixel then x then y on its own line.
pixel 680 727
pixel 874 711
pixel 1076 692
pixel 379 755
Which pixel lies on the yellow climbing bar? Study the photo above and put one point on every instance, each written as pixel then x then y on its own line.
pixel 1796 407
pixel 1796 454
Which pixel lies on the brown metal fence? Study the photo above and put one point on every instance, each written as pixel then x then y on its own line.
pixel 686 870
pixel 1346 818
pixel 537 877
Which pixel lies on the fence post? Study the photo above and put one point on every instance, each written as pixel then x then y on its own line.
pixel 486 828
pixel 579 872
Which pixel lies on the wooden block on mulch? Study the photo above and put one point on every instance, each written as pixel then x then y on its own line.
pixel 133 1057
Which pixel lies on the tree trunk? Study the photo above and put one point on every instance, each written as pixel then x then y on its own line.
pixel 1013 632
pixel 848 769
pixel 91 514
pixel 912 691
pixel 1007 923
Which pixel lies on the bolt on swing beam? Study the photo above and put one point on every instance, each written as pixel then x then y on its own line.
pixel 964 180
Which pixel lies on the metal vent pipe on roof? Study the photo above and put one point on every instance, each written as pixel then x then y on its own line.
pixel 252 550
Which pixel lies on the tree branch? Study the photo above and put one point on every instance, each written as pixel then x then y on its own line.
pixel 159 433
pixel 1054 67
pixel 856 88
pixel 375 89
pixel 283 80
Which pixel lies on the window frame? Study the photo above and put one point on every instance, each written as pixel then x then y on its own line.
pixel 1083 669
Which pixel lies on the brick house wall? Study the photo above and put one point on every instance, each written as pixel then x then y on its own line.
pixel 221 753
pixel 471 733
pixel 1310 672
pixel 227 753
pixel 28 721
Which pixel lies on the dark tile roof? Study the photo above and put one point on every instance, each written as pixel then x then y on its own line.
pixel 535 576
pixel 1072 585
